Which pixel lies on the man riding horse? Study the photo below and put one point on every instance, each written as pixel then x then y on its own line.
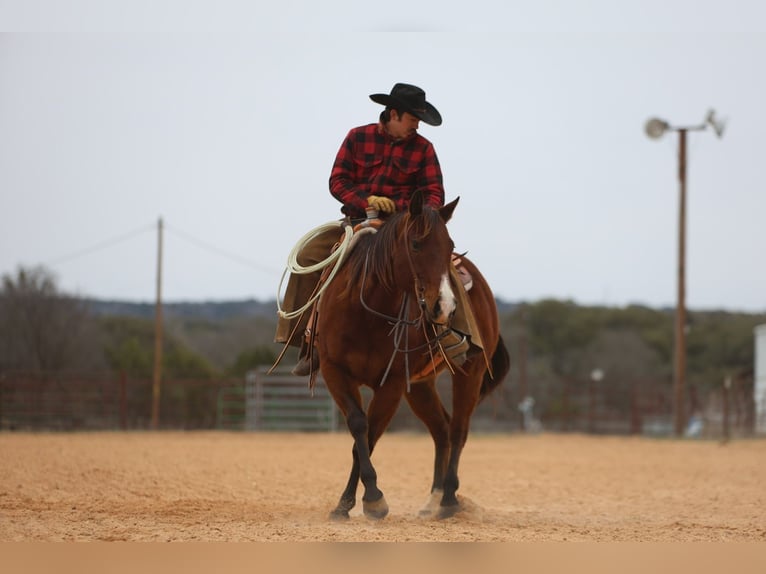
pixel 378 166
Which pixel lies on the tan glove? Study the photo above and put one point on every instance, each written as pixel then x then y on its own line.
pixel 383 204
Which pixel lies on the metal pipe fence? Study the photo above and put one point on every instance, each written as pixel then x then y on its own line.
pixel 113 401
pixel 104 401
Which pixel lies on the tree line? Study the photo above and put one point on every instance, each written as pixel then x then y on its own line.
pixel 44 329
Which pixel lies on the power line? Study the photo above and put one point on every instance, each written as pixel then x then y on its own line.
pixel 220 251
pixel 101 245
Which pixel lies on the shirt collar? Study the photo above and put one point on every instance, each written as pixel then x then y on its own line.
pixel 382 131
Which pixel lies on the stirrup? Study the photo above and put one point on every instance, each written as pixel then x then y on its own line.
pixel 306 366
pixel 455 346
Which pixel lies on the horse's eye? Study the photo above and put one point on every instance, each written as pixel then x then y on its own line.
pixel 416 245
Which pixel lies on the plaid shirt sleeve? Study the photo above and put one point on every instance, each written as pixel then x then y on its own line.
pixel 369 162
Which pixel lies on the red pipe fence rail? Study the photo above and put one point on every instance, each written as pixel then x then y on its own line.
pixel 113 401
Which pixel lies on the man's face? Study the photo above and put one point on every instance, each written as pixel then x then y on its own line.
pixel 400 127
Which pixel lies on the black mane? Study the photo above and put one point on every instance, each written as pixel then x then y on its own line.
pixel 377 251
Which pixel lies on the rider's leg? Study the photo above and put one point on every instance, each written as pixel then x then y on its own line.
pixel 300 288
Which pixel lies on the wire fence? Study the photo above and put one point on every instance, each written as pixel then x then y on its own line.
pixel 113 401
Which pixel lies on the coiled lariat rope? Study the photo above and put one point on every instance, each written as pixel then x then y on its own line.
pixel 335 258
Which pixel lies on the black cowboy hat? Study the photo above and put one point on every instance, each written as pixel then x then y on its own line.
pixel 408 98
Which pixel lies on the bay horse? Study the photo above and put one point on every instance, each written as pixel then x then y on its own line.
pixel 369 334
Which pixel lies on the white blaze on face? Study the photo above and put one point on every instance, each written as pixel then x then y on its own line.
pixel 447 302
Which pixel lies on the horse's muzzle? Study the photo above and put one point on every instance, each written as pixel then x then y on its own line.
pixel 441 312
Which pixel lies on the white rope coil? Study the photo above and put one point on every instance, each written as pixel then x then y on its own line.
pixel 336 257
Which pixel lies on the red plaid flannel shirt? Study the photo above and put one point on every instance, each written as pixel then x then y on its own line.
pixel 370 162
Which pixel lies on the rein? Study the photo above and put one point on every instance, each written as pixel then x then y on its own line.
pixel 401 323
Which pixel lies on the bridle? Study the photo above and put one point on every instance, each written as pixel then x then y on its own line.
pixel 401 322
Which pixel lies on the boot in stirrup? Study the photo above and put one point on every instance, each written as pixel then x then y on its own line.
pixel 455 346
pixel 307 364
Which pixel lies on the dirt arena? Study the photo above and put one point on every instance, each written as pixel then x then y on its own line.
pixel 216 486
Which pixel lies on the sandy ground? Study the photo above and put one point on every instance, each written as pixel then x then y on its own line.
pixel 216 486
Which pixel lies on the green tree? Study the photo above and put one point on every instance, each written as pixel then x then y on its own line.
pixel 180 362
pixel 130 356
pixel 560 330
pixel 720 344
pixel 129 348
pixel 250 359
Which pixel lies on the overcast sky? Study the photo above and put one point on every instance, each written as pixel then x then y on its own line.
pixel 223 118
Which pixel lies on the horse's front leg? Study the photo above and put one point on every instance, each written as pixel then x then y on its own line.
pixel 348 498
pixel 375 505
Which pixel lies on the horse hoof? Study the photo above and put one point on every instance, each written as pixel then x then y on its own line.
pixel 341 510
pixel 339 514
pixel 377 509
pixel 448 511
pixel 432 506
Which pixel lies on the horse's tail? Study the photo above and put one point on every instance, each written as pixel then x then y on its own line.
pixel 501 364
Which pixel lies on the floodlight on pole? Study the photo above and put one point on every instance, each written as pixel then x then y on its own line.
pixel 655 128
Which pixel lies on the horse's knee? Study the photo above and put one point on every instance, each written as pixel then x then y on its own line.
pixel 357 424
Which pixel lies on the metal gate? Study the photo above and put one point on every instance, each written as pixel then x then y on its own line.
pixel 284 402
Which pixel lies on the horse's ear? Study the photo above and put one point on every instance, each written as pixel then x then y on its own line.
pixel 416 203
pixel 446 211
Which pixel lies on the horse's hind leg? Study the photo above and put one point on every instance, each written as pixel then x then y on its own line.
pixel 427 406
pixel 466 389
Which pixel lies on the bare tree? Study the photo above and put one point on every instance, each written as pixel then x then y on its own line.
pixel 40 328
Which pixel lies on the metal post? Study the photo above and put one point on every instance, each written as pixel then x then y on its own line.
pixel 123 400
pixel 726 409
pixel 635 410
pixel 523 390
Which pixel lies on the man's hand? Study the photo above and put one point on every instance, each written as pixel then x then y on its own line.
pixel 383 204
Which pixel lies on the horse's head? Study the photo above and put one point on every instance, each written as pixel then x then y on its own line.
pixel 420 254
pixel 430 251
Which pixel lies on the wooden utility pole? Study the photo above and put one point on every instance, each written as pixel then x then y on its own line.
pixel 679 371
pixel 655 128
pixel 157 379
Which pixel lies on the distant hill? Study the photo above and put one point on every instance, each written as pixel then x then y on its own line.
pixel 216 330
pixel 208 310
